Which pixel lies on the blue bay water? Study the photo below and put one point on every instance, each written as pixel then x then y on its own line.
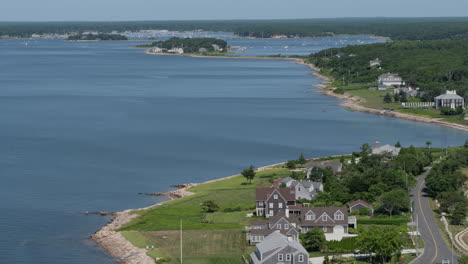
pixel 86 126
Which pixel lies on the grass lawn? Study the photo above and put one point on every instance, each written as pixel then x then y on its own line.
pixel 199 246
pixel 209 237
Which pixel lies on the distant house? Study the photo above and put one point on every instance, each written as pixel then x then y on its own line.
pixel 408 91
pixel 287 226
pixel 375 62
pixel 278 248
pixel 156 50
pixel 270 201
pixel 389 79
pixel 279 36
pixel 386 149
pixel 449 99
pixel 216 47
pixel 358 204
pixel 202 50
pixel 303 189
pixel 176 50
pixel 335 166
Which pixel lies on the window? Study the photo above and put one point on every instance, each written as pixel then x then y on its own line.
pixel 288 257
pixel 280 205
pixel 271 205
pixel 299 189
pixel 280 257
pixel 286 226
pixel 271 212
pixel 339 216
pixel 324 217
pixel 301 258
pixel 278 226
pixel 310 216
pixel 275 197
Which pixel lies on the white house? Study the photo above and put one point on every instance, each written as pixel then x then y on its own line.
pixel 449 99
pixel 389 79
pixel 375 62
pixel 156 50
pixel 176 50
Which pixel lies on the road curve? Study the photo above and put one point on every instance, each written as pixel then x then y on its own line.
pixel 435 248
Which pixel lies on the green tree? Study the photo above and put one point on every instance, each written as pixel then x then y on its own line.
pixel 313 240
pixel 387 98
pixel 463 260
pixel 428 144
pixel 209 206
pixel 291 164
pixel 398 145
pixel 249 173
pixel 396 97
pixel 302 160
pixel 384 242
pixel 394 200
pixel 449 201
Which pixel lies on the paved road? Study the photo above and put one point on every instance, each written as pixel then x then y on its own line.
pixel 435 248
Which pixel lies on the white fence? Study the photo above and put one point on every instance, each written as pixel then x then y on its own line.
pixel 418 104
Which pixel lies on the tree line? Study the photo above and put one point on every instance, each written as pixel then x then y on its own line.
pixel 395 28
pixel 191 45
pixel 100 36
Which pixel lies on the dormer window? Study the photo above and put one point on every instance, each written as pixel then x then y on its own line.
pixel 299 189
pixel 275 197
pixel 324 217
pixel 286 226
pixel 301 258
pixel 278 226
pixel 339 216
pixel 310 216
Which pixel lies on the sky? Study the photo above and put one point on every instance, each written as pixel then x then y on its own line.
pixel 122 10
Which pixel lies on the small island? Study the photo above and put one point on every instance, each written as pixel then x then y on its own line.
pixel 97 37
pixel 209 46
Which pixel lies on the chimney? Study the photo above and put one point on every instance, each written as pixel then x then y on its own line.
pixel 377 144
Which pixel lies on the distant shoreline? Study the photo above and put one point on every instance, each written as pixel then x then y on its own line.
pixel 350 101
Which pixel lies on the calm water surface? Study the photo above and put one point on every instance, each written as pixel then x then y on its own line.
pixel 86 126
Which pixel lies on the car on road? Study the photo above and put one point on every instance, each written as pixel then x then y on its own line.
pixel 445 261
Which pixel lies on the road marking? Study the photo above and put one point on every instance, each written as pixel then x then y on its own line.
pixel 425 220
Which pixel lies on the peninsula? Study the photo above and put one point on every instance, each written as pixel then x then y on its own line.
pixel 96 37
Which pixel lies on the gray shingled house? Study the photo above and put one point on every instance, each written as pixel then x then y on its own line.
pixel 278 248
pixel 303 189
pixel 287 226
pixel 269 201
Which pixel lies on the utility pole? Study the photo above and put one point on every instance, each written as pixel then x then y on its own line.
pixel 181 255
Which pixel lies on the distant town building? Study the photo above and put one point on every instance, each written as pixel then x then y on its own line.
pixel 449 99
pixel 358 204
pixel 389 79
pixel 386 149
pixel 375 62
pixel 278 248
pixel 335 166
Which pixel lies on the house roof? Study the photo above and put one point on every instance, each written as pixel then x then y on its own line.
pixel 389 75
pixel 386 148
pixel 276 240
pixel 319 211
pixel 364 203
pixel 336 166
pixel 448 95
pixel 263 193
pixel 306 184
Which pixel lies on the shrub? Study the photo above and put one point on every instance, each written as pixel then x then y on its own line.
pixel 345 245
pixel 383 221
pixel 339 91
pixel 232 209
